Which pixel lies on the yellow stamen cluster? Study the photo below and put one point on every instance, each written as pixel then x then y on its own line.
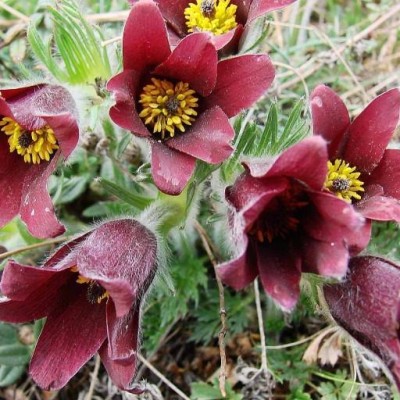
pixel 167 107
pixel 95 292
pixel 343 181
pixel 215 16
pixel 34 146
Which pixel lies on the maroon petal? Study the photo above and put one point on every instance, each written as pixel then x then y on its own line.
pixel 124 113
pixel 170 168
pixel 241 81
pixel 145 40
pixel 60 353
pixel 208 139
pixel 371 131
pixel 325 258
pixel 305 161
pixel 387 174
pixel 241 271
pixel 10 189
pixel 174 13
pixel 330 118
pixel 37 209
pixel 121 256
pixel 331 219
pixel 220 41
pixel 380 208
pixel 280 273
pixel 261 7
pixel 33 292
pixel 66 131
pixel 119 352
pixel 193 61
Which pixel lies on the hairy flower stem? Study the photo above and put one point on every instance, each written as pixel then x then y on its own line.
pixel 222 311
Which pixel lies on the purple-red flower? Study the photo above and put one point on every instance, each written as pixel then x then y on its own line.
pixel 224 19
pixel 181 101
pixel 38 126
pixel 361 169
pixel 90 290
pixel 367 305
pixel 285 224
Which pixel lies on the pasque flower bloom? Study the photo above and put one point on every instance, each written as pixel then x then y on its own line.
pixel 224 19
pixel 284 224
pixel 367 305
pixel 181 100
pixel 90 290
pixel 38 126
pixel 361 170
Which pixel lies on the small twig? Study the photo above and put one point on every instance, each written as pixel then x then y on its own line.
pixel 156 372
pixel 264 360
pixel 93 381
pixel 111 41
pixel 32 246
pixel 207 244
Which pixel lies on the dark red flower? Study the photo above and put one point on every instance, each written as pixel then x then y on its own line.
pixel 367 305
pixel 284 224
pixel 181 100
pixel 362 170
pixel 224 19
pixel 90 290
pixel 38 126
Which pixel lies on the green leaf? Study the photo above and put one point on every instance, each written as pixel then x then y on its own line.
pixel 269 135
pixel 205 391
pixel 72 188
pixel 135 200
pixel 9 375
pixel 14 354
pixel 8 334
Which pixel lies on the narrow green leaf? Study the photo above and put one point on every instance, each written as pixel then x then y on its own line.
pixel 14 354
pixel 128 197
pixel 9 375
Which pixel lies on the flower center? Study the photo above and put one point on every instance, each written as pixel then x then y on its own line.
pixel 95 292
pixel 282 216
pixel 34 146
pixel 215 16
pixel 168 106
pixel 343 181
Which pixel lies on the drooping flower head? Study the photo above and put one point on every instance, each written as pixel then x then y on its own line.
pixel 367 305
pixel 285 224
pixel 90 291
pixel 223 19
pixel 181 100
pixel 361 170
pixel 38 126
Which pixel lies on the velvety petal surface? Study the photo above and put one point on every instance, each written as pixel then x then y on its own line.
pixel 119 355
pixel 37 209
pixel 208 139
pixel 171 169
pixel 261 7
pixel 387 174
pixel 242 270
pixel 173 12
pixel 60 353
pixel 330 118
pixel 280 273
pixel 325 258
pixel 241 81
pixel 124 113
pixel 330 219
pixel 121 256
pixel 145 40
pixel 380 208
pixel 193 61
pixel 306 161
pixel 371 131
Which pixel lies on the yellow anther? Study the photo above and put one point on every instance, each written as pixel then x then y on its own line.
pixel 342 179
pixel 166 106
pixel 216 16
pixel 34 146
